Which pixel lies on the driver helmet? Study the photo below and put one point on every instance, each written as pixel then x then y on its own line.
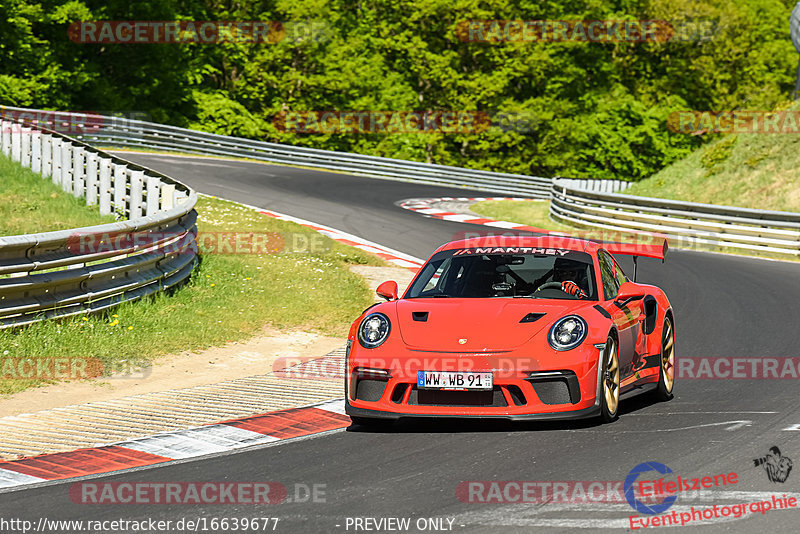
pixel 567 270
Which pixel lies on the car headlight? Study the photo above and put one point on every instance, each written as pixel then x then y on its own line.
pixel 568 332
pixel 374 330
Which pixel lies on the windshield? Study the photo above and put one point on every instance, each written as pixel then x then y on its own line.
pixel 502 272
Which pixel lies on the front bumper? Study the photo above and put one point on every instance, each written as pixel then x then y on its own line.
pixel 585 413
pixel 565 385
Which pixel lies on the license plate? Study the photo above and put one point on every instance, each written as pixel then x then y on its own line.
pixel 454 380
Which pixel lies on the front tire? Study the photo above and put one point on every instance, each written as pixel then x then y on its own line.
pixel 609 403
pixel 666 374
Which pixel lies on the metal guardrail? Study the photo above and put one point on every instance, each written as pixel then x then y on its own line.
pixel 129 133
pixel 57 274
pixel 593 203
pixel 687 224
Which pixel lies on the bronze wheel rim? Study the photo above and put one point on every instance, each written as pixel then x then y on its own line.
pixel 668 356
pixel 611 378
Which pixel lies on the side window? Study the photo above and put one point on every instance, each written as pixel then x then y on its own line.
pixel 436 279
pixel 621 278
pixel 610 283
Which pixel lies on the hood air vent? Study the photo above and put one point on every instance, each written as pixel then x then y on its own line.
pixel 532 317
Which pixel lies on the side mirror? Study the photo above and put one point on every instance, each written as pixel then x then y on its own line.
pixel 628 292
pixel 388 290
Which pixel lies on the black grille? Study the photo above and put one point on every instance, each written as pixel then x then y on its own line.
pixel 369 390
pixel 557 390
pixel 516 395
pixel 399 391
pixel 426 397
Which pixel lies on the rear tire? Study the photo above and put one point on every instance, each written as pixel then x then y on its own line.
pixel 666 372
pixel 609 380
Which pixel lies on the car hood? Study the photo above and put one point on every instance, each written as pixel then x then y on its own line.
pixel 476 325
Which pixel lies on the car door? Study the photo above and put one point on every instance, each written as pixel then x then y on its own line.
pixel 625 319
pixel 637 311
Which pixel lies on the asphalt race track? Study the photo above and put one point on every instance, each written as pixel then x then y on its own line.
pixel 726 306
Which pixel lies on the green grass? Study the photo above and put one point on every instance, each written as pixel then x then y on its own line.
pixel 229 297
pixel 746 170
pixel 30 203
pixel 531 212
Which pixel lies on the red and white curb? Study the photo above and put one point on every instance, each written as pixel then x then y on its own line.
pixel 428 208
pixel 176 445
pixel 401 259
pixel 396 257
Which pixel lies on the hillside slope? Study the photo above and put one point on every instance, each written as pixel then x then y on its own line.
pixel 753 170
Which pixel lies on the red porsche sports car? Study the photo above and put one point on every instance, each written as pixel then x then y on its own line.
pixel 512 327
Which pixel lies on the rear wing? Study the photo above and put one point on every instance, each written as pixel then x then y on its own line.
pixel 654 250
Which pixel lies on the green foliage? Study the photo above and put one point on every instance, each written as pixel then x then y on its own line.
pixel 717 153
pixel 581 110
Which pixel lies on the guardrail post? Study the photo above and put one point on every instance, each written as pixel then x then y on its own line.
pixel 167 196
pixel 47 155
pixel 105 186
pixel 153 194
pixel 135 204
pixel 5 138
pixel 91 179
pixel 66 166
pixel 55 161
pixel 178 198
pixel 25 156
pixel 120 188
pixel 78 182
pixel 36 152
pixel 16 143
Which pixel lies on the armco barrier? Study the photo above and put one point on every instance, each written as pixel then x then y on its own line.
pixel 129 133
pixel 687 224
pixel 51 274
